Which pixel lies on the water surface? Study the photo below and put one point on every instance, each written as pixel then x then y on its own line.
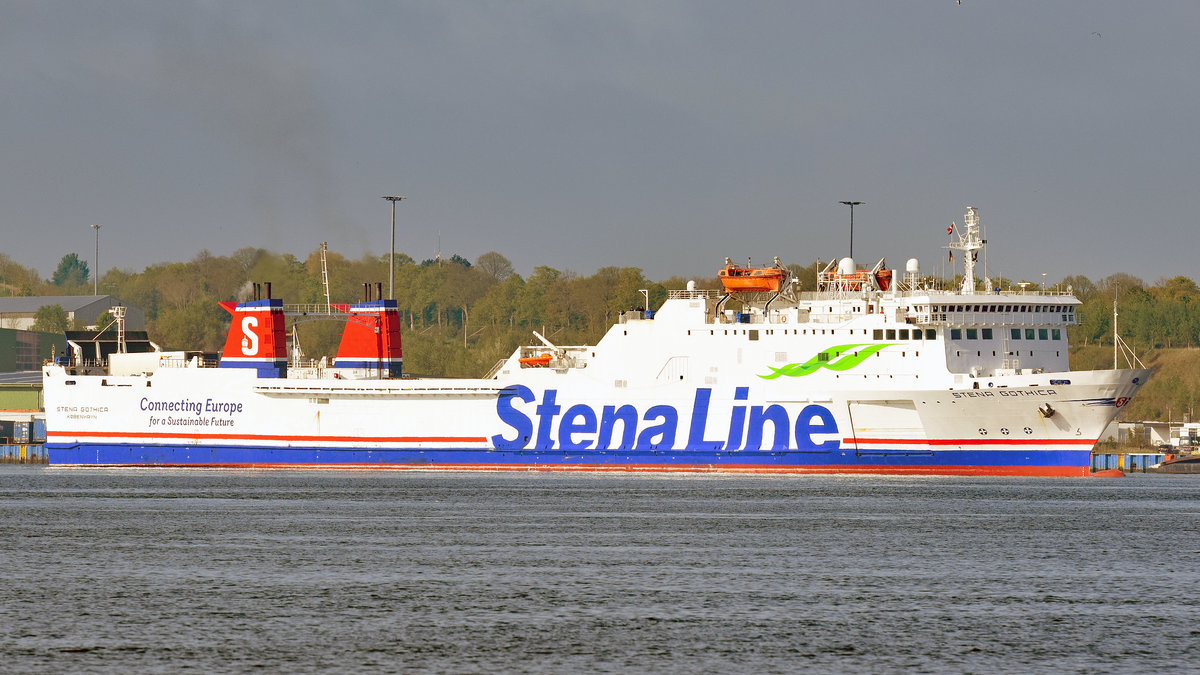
pixel 309 571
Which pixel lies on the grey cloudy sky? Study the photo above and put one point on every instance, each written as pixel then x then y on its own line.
pixel 663 135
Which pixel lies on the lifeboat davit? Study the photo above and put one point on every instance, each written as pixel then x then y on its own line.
pixel 752 279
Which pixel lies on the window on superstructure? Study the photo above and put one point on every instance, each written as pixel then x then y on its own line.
pixel 1043 334
pixel 972 334
pixel 930 334
pixel 1029 336
pixel 891 333
pixel 955 333
pixel 903 334
pixel 1057 334
pixel 987 335
pixel 1016 333
pixel 916 334
pixel 877 334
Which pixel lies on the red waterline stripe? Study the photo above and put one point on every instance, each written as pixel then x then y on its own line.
pixel 1034 471
pixel 268 437
pixel 975 441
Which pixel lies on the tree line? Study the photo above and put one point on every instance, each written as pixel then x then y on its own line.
pixel 462 316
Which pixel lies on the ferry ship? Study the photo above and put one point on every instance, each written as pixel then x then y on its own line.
pixel 874 372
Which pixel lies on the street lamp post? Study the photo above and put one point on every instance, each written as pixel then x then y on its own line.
pixel 852 205
pixel 392 256
pixel 96 277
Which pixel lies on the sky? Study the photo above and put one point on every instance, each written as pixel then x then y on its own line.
pixel 663 135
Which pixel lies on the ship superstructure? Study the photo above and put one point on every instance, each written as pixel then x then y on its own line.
pixel 876 371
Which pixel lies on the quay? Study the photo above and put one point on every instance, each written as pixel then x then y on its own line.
pixel 23 454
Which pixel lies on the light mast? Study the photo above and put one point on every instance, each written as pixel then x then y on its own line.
pixel 969 243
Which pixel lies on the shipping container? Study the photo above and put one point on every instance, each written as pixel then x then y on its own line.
pixel 21 432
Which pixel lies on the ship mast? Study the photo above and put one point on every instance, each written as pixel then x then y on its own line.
pixel 969 243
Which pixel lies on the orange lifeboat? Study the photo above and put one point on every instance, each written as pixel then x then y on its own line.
pixel 752 279
pixel 854 282
pixel 539 361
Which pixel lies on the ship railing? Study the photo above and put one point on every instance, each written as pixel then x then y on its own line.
pixel 994 318
pixel 190 361
pixel 495 369
pixel 694 295
pixel 318 309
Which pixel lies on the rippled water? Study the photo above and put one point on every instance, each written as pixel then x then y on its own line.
pixel 306 571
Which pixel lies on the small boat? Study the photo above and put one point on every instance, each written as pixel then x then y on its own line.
pixel 752 279
pixel 845 276
pixel 539 361
pixel 859 279
pixel 1180 464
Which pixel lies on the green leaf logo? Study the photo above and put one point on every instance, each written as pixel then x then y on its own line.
pixel 831 358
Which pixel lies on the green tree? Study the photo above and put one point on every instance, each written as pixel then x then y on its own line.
pixel 17 279
pixel 1081 286
pixel 494 265
pixel 71 272
pixel 50 319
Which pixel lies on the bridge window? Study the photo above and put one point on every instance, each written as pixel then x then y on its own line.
pixel 955 333
pixel 972 334
pixel 877 334
pixel 1043 334
pixel 903 334
pixel 1029 336
pixel 891 333
pixel 930 334
pixel 987 335
pixel 1016 333
pixel 1057 334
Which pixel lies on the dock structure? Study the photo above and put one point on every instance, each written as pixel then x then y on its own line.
pixel 1139 461
pixel 22 422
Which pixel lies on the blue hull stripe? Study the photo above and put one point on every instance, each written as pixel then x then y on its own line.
pixel 106 453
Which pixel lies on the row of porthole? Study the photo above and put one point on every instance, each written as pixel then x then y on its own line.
pixel 1003 430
